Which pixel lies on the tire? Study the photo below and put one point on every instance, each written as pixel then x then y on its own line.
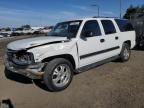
pixel 125 53
pixel 58 74
pixel 7 73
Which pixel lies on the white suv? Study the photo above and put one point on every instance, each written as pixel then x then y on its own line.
pixel 72 46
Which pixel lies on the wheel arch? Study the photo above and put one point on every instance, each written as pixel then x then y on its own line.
pixel 128 42
pixel 65 56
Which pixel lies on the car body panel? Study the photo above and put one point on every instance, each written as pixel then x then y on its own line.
pixel 90 49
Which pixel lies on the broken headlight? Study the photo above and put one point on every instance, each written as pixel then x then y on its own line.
pixel 23 58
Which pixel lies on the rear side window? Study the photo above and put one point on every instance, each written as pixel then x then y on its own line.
pixel 108 26
pixel 91 27
pixel 124 25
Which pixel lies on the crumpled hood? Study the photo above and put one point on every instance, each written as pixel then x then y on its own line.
pixel 32 42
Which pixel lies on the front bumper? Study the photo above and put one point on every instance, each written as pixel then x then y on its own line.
pixel 33 71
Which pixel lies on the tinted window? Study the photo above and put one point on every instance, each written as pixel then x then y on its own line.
pixel 124 25
pixel 91 27
pixel 108 27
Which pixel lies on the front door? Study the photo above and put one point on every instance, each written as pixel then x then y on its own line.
pixel 91 43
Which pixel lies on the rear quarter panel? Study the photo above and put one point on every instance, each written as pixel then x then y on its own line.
pixel 128 36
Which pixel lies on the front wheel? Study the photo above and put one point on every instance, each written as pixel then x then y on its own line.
pixel 125 52
pixel 58 74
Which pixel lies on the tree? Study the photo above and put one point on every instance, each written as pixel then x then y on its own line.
pixel 8 29
pixel 132 11
pixel 142 8
pixel 26 26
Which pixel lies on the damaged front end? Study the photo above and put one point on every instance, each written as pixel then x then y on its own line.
pixel 22 62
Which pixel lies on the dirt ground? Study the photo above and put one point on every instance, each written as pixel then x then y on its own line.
pixel 112 85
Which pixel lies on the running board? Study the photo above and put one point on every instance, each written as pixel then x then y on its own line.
pixel 91 66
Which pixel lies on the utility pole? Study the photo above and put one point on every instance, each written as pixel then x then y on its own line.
pixel 120 8
pixel 98 8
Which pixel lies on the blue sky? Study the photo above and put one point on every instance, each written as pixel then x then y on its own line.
pixel 48 12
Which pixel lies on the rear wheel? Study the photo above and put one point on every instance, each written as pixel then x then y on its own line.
pixel 58 74
pixel 125 52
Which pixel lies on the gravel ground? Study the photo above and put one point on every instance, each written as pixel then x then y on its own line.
pixel 112 85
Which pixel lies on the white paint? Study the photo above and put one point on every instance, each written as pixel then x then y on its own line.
pixel 87 46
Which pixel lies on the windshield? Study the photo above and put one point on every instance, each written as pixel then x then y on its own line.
pixel 66 29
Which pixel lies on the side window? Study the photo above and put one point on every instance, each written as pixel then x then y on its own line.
pixel 124 25
pixel 108 26
pixel 91 28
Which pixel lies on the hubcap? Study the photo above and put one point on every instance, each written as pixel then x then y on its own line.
pixel 61 75
pixel 126 54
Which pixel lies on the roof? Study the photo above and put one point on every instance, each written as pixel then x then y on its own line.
pixel 101 18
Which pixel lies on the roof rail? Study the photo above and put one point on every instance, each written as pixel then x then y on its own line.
pixel 103 17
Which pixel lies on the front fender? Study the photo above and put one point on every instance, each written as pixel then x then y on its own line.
pixel 43 52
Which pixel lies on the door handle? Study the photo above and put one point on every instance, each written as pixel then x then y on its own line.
pixel 116 38
pixel 102 40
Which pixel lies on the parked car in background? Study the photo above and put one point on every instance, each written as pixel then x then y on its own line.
pixel 5 34
pixel 46 30
pixel 22 31
pixel 1 36
pixel 25 30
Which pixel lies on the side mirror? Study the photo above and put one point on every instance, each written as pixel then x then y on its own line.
pixel 87 34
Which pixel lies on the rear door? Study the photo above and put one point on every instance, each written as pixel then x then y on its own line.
pixel 111 37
